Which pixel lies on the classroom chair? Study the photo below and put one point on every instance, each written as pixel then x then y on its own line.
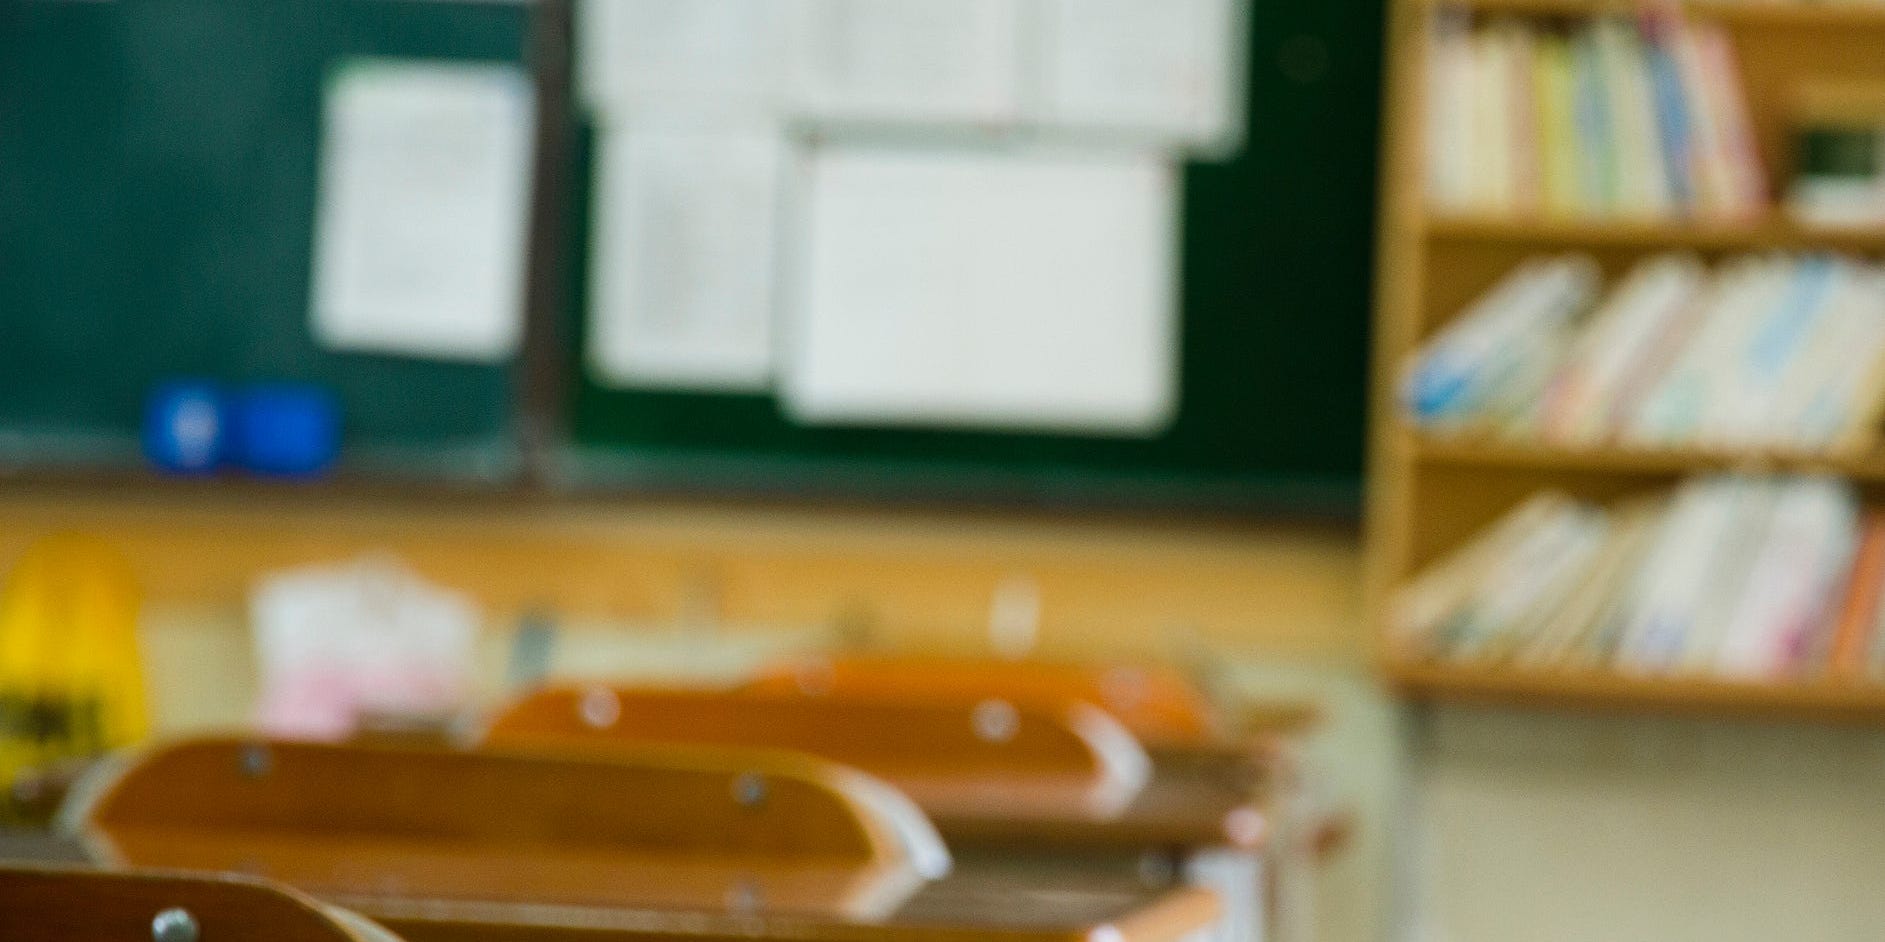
pixel 654 828
pixel 1207 761
pixel 444 846
pixel 1157 704
pixel 1052 760
pixel 1197 807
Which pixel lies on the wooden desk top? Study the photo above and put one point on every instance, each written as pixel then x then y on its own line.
pixel 988 900
pixel 1045 891
pixel 1196 797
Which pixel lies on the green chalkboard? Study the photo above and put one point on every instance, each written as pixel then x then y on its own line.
pixel 157 191
pixel 1277 277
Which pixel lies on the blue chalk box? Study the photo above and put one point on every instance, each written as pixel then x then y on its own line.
pixel 284 429
pixel 186 427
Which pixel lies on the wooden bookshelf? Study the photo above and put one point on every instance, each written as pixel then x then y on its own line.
pixel 1493 455
pixel 1429 494
pixel 1815 13
pixel 1831 701
pixel 1651 235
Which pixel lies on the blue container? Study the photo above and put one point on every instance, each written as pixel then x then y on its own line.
pixel 284 429
pixel 186 427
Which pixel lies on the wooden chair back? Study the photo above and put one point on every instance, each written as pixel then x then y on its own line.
pixel 1158 704
pixel 951 757
pixel 699 829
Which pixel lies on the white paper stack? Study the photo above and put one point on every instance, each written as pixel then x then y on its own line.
pixel 683 259
pixel 996 290
pixel 947 213
pixel 423 209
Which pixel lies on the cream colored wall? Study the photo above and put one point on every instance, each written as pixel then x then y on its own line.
pixel 1554 827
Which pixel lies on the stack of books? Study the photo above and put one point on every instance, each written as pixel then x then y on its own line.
pixel 1614 117
pixel 1772 353
pixel 1736 577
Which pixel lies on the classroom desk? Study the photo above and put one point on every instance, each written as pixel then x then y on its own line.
pixel 1010 899
pixel 1192 799
pixel 993 891
pixel 368 828
pixel 1193 804
pixel 1037 757
pixel 1211 768
pixel 1197 818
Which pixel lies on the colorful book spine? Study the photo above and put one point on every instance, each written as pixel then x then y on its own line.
pixel 1737 577
pixel 1673 120
pixel 1859 613
pixel 1614 116
pixel 1449 80
pixel 1748 191
pixel 1783 353
pixel 1554 89
pixel 1527 162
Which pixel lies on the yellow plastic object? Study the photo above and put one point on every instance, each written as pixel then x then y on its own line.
pixel 71 683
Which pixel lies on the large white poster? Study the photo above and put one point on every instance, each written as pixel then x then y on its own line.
pixel 1000 290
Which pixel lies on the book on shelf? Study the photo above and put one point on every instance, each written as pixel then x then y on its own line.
pixel 1608 117
pixel 1859 612
pixel 1732 577
pixel 1771 353
pixel 1495 358
pixel 1553 92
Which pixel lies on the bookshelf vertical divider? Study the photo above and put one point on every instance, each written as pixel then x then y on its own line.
pixel 1427 497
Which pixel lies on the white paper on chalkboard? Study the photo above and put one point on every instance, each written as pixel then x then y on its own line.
pixel 909 61
pixel 664 53
pixel 974 289
pixel 422 216
pixel 682 265
pixel 1156 69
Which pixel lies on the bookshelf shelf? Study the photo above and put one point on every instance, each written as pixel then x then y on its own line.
pixel 1472 453
pixel 1831 701
pixel 1768 13
pixel 1674 234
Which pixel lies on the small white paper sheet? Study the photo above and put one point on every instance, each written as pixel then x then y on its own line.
pixel 338 644
pixel 984 289
pixel 909 61
pixel 709 53
pixel 423 209
pixel 683 261
pixel 1167 70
